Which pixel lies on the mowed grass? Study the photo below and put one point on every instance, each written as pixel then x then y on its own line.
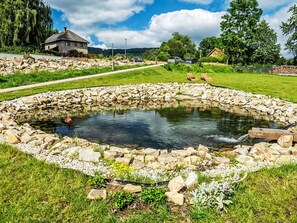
pixel 20 79
pixel 283 87
pixel 269 195
pixel 33 191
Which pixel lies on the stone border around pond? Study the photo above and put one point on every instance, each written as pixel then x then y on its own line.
pixel 155 164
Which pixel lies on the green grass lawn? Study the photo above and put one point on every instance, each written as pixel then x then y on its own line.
pixel 20 79
pixel 283 87
pixel 33 191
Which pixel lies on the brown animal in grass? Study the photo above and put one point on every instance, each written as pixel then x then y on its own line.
pixel 206 78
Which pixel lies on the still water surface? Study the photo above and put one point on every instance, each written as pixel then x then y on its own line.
pixel 163 128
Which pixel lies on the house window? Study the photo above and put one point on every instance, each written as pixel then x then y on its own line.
pixel 81 45
pixel 75 44
pixel 67 43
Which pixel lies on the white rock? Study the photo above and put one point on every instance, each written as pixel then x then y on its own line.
pixel 175 197
pixel 89 155
pixel 285 141
pixel 191 180
pixel 132 188
pixel 244 159
pixel 95 194
pixel 176 184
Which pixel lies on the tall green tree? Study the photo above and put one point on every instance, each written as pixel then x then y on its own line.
pixel 238 27
pixel 178 45
pixel 266 48
pixel 209 43
pixel 24 22
pixel 289 28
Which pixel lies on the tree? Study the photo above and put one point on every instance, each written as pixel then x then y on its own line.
pixel 290 28
pixel 24 22
pixel 209 43
pixel 238 27
pixel 266 48
pixel 178 45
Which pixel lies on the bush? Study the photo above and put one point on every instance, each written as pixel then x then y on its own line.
pixel 122 199
pixel 20 49
pixel 216 194
pixel 221 59
pixel 96 181
pixel 153 196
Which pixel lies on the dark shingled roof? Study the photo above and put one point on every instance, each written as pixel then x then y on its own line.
pixel 67 35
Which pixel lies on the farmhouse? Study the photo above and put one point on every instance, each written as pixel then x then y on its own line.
pixel 216 52
pixel 66 41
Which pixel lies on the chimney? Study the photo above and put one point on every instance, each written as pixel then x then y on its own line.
pixel 65 29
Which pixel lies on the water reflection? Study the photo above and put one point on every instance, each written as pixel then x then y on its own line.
pixel 161 128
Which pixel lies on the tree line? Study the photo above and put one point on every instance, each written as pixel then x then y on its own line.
pixel 245 37
pixel 24 23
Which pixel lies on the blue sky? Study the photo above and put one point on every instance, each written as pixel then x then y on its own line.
pixel 147 23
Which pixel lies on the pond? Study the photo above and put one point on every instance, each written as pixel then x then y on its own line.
pixel 169 128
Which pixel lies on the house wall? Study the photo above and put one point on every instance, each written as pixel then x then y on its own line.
pixel 66 46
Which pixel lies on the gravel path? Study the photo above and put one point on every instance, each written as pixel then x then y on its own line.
pixel 74 79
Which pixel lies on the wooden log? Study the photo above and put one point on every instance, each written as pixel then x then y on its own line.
pixel 206 78
pixel 273 134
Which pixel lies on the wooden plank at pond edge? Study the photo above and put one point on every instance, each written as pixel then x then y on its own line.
pixel 263 133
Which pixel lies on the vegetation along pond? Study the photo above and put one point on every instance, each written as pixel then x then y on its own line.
pixel 166 128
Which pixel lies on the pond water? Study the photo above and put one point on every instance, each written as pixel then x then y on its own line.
pixel 162 128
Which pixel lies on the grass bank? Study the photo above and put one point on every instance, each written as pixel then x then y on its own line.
pixel 33 191
pixel 283 87
pixel 21 79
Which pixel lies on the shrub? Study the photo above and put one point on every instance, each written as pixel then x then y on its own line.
pixel 122 170
pixel 122 199
pixel 221 59
pixel 96 181
pixel 215 194
pixel 153 196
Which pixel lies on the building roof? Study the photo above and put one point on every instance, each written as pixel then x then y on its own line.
pixel 216 51
pixel 67 35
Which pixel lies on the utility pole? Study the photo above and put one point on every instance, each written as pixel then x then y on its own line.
pixel 125 48
pixel 112 62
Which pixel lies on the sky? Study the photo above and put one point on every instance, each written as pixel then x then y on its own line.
pixel 148 23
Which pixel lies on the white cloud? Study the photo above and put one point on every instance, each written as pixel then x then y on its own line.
pixel 197 24
pixel 271 4
pixel 88 12
pixel 202 2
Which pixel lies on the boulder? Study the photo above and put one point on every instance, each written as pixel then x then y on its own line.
pixel 112 155
pixel 285 141
pixel 182 153
pixel 219 160
pixel 126 160
pixel 176 184
pixel 132 188
pixel 260 148
pixel 11 137
pixel 192 160
pixel 95 194
pixel 167 158
pixel 191 180
pixel 89 155
pixel 175 197
pixel 244 159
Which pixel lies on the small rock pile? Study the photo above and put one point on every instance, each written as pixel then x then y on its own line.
pixel 12 65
